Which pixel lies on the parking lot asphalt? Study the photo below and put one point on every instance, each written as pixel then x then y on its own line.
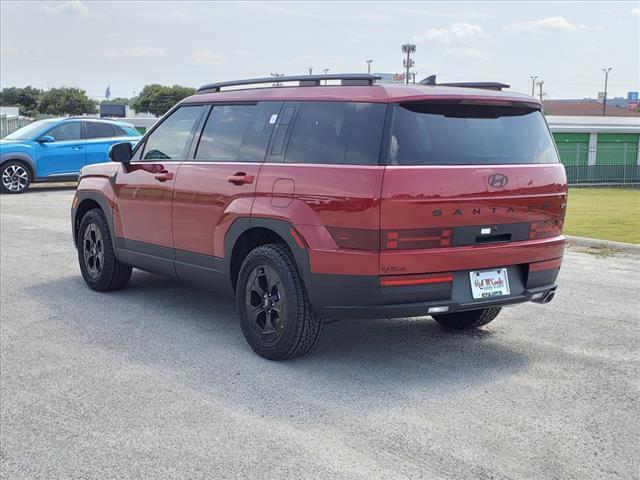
pixel 156 381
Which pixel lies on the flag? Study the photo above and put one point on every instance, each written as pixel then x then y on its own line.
pixel 107 92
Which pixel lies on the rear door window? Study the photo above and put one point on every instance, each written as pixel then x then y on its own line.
pixel 66 132
pixel 337 133
pixel 100 130
pixel 237 133
pixel 171 139
pixel 452 134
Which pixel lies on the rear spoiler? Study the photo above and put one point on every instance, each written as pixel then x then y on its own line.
pixel 431 80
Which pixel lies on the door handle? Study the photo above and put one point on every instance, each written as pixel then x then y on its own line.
pixel 240 178
pixel 77 147
pixel 163 176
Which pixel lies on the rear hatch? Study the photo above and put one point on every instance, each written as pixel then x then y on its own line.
pixel 467 185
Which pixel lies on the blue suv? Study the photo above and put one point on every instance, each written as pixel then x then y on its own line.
pixel 55 149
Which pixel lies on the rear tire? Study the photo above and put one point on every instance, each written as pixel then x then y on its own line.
pixel 98 264
pixel 467 320
pixel 15 177
pixel 276 316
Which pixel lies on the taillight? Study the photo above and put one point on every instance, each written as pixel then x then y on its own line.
pixel 405 280
pixel 355 238
pixel 416 238
pixel 545 229
pixel 546 265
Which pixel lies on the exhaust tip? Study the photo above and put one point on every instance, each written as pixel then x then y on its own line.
pixel 549 296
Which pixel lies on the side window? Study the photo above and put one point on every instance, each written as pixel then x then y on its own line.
pixel 120 132
pixel 223 133
pixel 337 133
pixel 100 130
pixel 170 140
pixel 66 131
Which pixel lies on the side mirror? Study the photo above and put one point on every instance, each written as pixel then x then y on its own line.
pixel 46 139
pixel 120 152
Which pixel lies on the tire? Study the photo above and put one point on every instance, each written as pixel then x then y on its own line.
pixel 98 264
pixel 15 177
pixel 276 317
pixel 467 320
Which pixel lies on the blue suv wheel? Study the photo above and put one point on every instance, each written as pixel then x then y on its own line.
pixel 15 177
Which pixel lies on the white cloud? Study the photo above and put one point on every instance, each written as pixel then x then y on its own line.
pixel 206 57
pixel 71 7
pixel 549 23
pixel 635 11
pixel 460 32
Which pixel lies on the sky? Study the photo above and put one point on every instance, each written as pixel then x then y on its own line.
pixel 92 44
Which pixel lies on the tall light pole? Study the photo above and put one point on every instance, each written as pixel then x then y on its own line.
pixel 325 70
pixel 413 74
pixel 604 100
pixel 369 66
pixel 310 70
pixel 407 63
pixel 277 75
pixel 540 83
pixel 533 84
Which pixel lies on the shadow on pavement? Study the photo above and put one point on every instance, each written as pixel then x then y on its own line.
pixel 161 322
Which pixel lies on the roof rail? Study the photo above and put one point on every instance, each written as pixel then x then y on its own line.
pixel 347 79
pixel 431 80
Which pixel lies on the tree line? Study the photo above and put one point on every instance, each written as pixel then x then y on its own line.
pixel 68 101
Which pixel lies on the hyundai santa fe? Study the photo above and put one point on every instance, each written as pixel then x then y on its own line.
pixel 312 201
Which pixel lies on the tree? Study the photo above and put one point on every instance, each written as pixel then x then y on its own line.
pixel 116 101
pixel 66 101
pixel 27 99
pixel 158 99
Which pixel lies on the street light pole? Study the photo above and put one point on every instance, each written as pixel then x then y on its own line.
pixel 604 100
pixel 533 84
pixel 310 70
pixel 408 48
pixel 369 66
pixel 540 83
pixel 326 70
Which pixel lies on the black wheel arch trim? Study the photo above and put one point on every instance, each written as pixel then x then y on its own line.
pixel 283 229
pixel 104 205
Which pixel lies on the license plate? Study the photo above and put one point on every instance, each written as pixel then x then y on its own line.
pixel 489 283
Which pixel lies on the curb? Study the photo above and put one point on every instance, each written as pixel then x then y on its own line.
pixel 596 243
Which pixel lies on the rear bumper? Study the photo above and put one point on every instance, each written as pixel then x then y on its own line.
pixel 348 296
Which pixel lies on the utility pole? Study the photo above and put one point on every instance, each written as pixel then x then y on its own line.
pixel 604 100
pixel 310 70
pixel 533 84
pixel 407 63
pixel 325 70
pixel 277 84
pixel 369 66
pixel 540 83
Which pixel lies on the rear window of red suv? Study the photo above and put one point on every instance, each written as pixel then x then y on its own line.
pixel 454 134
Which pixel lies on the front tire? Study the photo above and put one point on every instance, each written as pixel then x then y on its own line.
pixel 276 316
pixel 98 264
pixel 15 177
pixel 467 320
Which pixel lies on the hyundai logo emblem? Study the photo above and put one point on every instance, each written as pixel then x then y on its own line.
pixel 498 180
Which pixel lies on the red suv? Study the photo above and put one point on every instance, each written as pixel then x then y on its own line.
pixel 324 201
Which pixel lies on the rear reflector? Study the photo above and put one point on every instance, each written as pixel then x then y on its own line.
pixel 438 309
pixel 546 229
pixel 415 238
pixel 355 238
pixel 404 280
pixel 546 265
